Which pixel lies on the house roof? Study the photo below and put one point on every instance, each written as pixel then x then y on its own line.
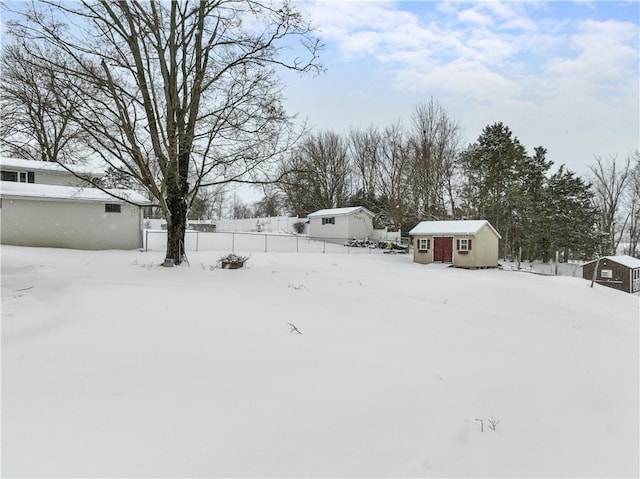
pixel 21 164
pixel 13 189
pixel 623 259
pixel 340 211
pixel 457 227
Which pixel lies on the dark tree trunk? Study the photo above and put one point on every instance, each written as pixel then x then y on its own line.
pixel 177 206
pixel 176 228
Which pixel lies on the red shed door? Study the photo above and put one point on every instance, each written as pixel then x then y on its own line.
pixel 443 249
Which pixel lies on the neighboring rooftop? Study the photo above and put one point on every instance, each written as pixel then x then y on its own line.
pixel 339 211
pixel 623 259
pixel 20 164
pixel 68 193
pixel 452 227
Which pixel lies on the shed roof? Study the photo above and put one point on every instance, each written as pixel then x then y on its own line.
pixel 13 189
pixel 623 259
pixel 340 211
pixel 453 227
pixel 21 164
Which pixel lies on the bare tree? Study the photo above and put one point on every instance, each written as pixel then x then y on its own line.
pixel 609 181
pixel 435 141
pixel 634 207
pixel 318 175
pixel 176 95
pixel 393 174
pixel 38 107
pixel 364 147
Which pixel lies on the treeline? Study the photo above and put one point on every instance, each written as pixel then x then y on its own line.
pixel 423 172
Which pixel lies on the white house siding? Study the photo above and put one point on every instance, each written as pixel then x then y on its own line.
pixel 61 179
pixel 69 224
pixel 48 173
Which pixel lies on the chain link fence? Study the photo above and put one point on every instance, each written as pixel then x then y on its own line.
pixel 156 240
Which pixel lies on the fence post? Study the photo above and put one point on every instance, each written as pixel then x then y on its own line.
pixel 146 240
pixel 197 239
pixel 324 246
pixel 297 248
pixel 557 258
pixel 265 243
pixel 595 272
pixel 519 257
pixel 233 242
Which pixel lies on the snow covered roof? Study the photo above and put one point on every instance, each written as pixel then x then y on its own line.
pixel 458 227
pixel 21 164
pixel 339 211
pixel 623 259
pixel 13 189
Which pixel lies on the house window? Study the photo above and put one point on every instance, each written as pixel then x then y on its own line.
pixel 9 176
pixel 606 273
pixel 463 245
pixel 329 221
pixel 424 244
pixel 22 176
pixel 112 208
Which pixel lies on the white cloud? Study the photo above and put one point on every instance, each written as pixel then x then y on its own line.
pixel 566 82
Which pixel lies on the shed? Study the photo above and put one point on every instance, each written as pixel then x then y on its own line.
pixel 69 217
pixel 463 243
pixel 340 225
pixel 620 272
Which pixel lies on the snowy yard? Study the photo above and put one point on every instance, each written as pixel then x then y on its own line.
pixel 115 367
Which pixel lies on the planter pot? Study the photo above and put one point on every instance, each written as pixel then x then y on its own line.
pixel 232 265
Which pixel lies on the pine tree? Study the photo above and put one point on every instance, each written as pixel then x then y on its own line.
pixel 491 168
pixel 571 217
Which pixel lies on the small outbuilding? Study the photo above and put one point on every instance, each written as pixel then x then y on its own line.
pixel 341 225
pixel 463 243
pixel 620 272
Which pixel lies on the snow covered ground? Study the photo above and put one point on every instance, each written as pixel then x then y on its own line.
pixel 115 367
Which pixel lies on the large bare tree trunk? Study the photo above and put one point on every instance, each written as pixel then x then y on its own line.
pixel 177 96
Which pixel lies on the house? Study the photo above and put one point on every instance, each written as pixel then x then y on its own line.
pixel 341 225
pixel 464 243
pixel 619 272
pixel 42 204
pixel 43 172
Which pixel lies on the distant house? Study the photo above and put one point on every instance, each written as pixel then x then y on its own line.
pixel 340 225
pixel 42 204
pixel 619 272
pixel 465 243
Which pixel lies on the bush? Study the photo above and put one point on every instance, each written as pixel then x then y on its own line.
pixel 299 227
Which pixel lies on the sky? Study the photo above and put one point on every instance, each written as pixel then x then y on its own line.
pixel 563 75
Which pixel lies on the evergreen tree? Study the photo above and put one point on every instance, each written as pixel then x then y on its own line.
pixel 531 216
pixel 491 167
pixel 572 217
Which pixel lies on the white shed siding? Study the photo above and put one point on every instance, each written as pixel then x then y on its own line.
pixel 338 231
pixel 69 224
pixel 348 223
pixel 360 225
